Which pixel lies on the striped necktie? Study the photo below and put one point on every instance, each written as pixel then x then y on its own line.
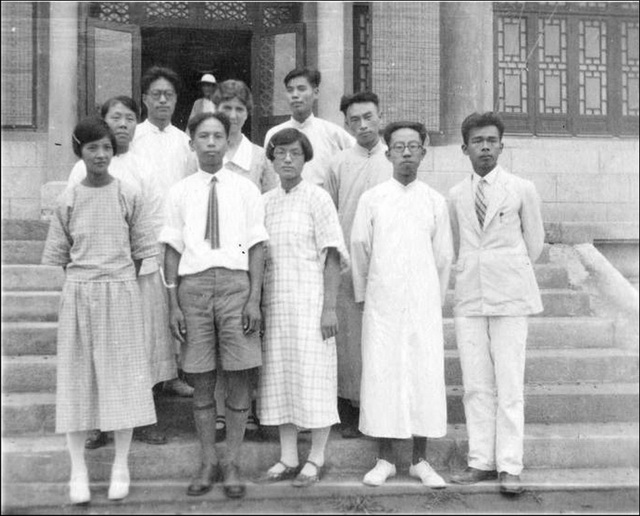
pixel 212 231
pixel 481 202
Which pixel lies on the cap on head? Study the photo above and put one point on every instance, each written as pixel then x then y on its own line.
pixel 207 77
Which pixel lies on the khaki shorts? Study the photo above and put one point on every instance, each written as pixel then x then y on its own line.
pixel 212 303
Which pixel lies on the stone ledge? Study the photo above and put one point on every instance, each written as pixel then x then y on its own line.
pixel 590 232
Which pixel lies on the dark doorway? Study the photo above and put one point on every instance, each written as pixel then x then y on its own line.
pixel 192 52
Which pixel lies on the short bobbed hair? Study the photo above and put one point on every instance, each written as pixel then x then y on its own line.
pixel 195 122
pixel 127 102
pixel 233 89
pixel 475 120
pixel 90 130
pixel 396 126
pixel 286 137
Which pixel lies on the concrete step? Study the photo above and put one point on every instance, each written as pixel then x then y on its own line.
pixel 37 373
pixel 39 338
pixel 46 459
pixel 44 277
pixel 583 490
pixel 25 413
pixel 24 229
pixel 22 251
pixel 43 306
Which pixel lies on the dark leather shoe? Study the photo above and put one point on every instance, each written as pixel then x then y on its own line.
pixel 473 475
pixel 96 439
pixel 510 484
pixel 350 432
pixel 203 482
pixel 149 434
pixel 232 485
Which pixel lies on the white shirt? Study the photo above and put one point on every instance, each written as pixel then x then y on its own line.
pixel 241 221
pixel 167 153
pixel 327 139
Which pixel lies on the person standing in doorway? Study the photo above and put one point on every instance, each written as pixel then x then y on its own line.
pixel 205 104
pixel 401 253
pixel 498 234
pixel 354 171
pixel 327 138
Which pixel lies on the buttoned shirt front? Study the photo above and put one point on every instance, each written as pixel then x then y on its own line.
pixel 241 221
pixel 327 139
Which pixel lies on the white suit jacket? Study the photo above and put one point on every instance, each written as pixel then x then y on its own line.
pixel 494 269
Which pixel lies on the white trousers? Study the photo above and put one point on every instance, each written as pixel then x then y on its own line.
pixel 492 356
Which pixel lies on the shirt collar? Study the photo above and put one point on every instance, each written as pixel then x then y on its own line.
pixel 297 125
pixel 366 153
pixel 242 157
pixel 156 130
pixel 490 178
pixel 221 175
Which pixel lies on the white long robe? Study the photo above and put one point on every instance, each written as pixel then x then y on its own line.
pixel 402 251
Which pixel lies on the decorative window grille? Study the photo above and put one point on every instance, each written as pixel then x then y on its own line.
pixel 229 11
pixel 168 10
pixel 567 67
pixel 361 47
pixel 19 65
pixel 117 12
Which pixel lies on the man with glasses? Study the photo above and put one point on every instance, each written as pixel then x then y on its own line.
pixel 498 235
pixel 327 138
pixel 401 256
pixel 354 171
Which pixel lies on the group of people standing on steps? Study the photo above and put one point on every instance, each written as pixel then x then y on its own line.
pixel 270 283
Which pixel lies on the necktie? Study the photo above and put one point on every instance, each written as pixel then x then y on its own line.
pixel 481 203
pixel 212 231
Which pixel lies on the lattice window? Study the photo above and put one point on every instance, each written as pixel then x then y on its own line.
pixel 552 66
pixel 19 69
pixel 512 67
pixel 266 60
pixel 361 48
pixel 170 10
pixel 592 79
pixel 275 15
pixel 575 64
pixel 115 12
pixel 226 11
pixel 629 68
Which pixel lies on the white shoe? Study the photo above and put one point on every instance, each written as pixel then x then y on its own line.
pixel 79 492
pixel 380 473
pixel 119 487
pixel 427 475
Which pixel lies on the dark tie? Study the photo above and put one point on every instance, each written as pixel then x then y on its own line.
pixel 212 232
pixel 481 203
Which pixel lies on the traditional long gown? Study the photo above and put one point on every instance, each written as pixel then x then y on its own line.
pixel 103 378
pixel 298 382
pixel 402 250
pixel 354 171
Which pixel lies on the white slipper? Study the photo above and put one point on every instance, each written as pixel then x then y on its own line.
pixel 427 475
pixel 380 473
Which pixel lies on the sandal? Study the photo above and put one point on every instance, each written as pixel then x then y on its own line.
pixel 287 474
pixel 305 480
pixel 221 428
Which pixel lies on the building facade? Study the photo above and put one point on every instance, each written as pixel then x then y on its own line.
pixel 564 75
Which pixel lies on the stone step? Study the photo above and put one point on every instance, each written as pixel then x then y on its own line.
pixel 25 413
pixel 24 229
pixel 30 277
pixel 584 490
pixel 43 306
pixel 46 459
pixel 37 373
pixel 22 251
pixel 39 338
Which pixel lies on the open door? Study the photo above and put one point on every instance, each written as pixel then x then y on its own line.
pixel 275 52
pixel 113 56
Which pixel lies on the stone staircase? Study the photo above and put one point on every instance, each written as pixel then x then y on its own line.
pixel 581 403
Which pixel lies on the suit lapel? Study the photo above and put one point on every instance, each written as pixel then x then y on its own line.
pixel 497 198
pixel 469 206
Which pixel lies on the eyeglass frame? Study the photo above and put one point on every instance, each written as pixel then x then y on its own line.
pixel 282 153
pixel 158 94
pixel 396 147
